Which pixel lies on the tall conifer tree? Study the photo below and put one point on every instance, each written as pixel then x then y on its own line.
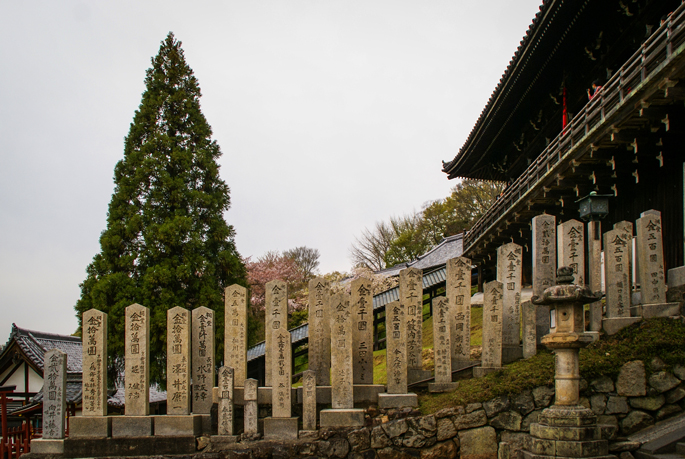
pixel 166 243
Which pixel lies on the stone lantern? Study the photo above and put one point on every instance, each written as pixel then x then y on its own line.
pixel 566 429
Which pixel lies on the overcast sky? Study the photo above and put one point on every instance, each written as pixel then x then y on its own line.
pixel 331 115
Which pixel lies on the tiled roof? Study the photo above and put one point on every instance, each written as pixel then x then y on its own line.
pixel 504 79
pixel 448 248
pixel 299 334
pixel 35 344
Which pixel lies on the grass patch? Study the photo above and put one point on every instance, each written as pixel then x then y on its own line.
pixel 643 341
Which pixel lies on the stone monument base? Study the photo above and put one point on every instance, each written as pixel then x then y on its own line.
pixel 460 364
pixel 129 446
pixel 280 428
pixel 177 425
pixel 442 387
pixel 206 423
pixel 47 446
pixel 223 442
pixel 364 394
pixel 353 417
pixel 90 427
pixel 415 375
pixel 511 353
pixel 397 400
pixel 648 311
pixel 479 372
pixel 131 426
pixel 566 431
pixel 613 325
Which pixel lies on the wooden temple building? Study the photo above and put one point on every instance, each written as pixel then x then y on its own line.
pixel 540 133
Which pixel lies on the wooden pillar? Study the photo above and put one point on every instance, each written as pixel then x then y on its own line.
pixel 480 277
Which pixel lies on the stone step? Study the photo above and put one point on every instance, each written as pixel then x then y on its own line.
pixel 661 445
pixel 680 448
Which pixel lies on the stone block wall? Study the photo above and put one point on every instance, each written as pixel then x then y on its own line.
pixel 643 393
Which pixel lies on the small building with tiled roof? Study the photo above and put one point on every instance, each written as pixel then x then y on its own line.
pixel 21 364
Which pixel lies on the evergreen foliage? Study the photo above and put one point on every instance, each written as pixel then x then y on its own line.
pixel 166 243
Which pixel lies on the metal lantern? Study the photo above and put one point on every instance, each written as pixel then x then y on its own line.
pixel 594 207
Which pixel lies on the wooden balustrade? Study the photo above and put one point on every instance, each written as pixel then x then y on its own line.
pixel 652 56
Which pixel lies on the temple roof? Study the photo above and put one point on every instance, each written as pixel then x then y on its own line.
pixel 35 344
pixel 567 46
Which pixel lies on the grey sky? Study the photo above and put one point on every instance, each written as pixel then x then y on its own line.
pixel 331 115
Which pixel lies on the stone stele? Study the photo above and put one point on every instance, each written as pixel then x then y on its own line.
pixel 594 269
pixel 320 330
pixel 281 425
pixel 441 340
pixel 396 347
pixel 529 329
pixel 250 407
pixel 202 359
pixel 458 296
pixel 178 361
pixel 94 363
pixel 571 248
pixel 411 297
pixel 281 374
pixel 509 264
pixel 491 358
pixel 309 400
pixel 54 394
pixel 362 331
pixel 226 401
pixel 276 319
pixel 442 349
pixel 650 257
pixel 544 244
pixel 137 361
pixel 617 273
pixel 342 395
pixel 235 329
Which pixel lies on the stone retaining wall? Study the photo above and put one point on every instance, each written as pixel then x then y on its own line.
pixel 626 405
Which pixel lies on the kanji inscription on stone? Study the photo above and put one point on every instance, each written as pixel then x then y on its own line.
pixel 492 325
pixel 276 319
pixel 509 265
pixel 202 359
pixel 396 347
pixel 309 400
pixel 226 416
pixel 342 396
pixel 571 248
pixel 650 253
pixel 411 296
pixel 94 363
pixel 320 330
pixel 442 350
pixel 617 275
pixel 137 361
pixel 281 375
pixel 54 394
pixel 178 361
pixel 458 297
pixel 235 331
pixel 362 331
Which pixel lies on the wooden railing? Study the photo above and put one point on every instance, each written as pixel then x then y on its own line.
pixel 17 441
pixel 652 56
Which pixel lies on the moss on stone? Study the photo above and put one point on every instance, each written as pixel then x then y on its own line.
pixel 645 340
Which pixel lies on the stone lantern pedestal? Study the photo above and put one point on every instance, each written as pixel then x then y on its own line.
pixel 566 429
